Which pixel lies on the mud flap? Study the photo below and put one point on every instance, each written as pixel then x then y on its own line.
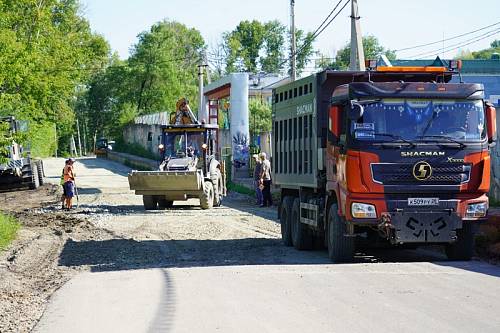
pixel 425 227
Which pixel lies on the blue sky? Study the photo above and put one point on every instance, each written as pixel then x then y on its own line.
pixel 396 23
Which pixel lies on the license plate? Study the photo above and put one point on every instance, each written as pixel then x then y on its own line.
pixel 423 201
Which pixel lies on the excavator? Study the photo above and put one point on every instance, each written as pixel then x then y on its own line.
pixel 188 167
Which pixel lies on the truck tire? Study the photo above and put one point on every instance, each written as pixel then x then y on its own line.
pixel 149 202
pixel 340 247
pixel 217 185
pixel 35 181
pixel 164 203
pixel 39 165
pixel 207 196
pixel 302 237
pixel 463 247
pixel 285 215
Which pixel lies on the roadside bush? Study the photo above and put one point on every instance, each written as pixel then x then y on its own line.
pixel 42 139
pixel 134 149
pixel 8 230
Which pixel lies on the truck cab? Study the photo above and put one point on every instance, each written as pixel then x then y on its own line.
pixel 399 155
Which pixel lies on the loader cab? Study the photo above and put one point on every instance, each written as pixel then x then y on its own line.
pixel 196 142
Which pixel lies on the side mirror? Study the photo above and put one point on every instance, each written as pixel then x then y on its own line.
pixel 491 122
pixel 356 111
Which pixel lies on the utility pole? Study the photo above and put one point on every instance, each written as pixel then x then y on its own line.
pixel 84 137
pixel 79 140
pixel 293 64
pixel 202 116
pixel 357 61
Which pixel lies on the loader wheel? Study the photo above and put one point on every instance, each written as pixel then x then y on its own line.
pixel 164 203
pixel 340 247
pixel 217 184
pixel 463 248
pixel 35 181
pixel 302 237
pixel 285 215
pixel 39 166
pixel 207 197
pixel 149 202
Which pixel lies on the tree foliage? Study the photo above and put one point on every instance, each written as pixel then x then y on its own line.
pixel 260 116
pixel 47 50
pixel 254 46
pixel 371 48
pixel 162 68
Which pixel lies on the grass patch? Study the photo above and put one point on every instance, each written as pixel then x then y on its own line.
pixel 240 189
pixel 8 230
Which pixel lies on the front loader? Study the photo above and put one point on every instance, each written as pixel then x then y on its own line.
pixel 188 168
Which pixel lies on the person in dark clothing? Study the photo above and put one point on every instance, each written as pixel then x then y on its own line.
pixel 265 178
pixel 256 178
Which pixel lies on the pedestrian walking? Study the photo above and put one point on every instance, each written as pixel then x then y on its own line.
pixel 256 178
pixel 265 179
pixel 69 183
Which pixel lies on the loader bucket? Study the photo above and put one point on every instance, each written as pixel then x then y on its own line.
pixel 165 181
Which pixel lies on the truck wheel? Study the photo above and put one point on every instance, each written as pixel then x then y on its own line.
pixel 207 197
pixel 149 202
pixel 463 247
pixel 35 181
pixel 340 247
pixel 285 215
pixel 164 203
pixel 39 166
pixel 302 237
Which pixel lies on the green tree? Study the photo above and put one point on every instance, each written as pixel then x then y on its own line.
pixel 254 46
pixel 244 45
pixel 48 51
pixel 260 116
pixel 164 66
pixel 487 53
pixel 371 48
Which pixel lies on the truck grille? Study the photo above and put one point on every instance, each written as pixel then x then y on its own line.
pixel 401 174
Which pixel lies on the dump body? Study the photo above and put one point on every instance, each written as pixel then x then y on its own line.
pixel 400 154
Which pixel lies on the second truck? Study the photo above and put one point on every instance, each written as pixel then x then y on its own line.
pixel 394 155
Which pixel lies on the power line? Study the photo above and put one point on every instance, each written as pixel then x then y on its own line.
pixel 316 34
pixel 458 45
pixel 447 39
pixel 333 10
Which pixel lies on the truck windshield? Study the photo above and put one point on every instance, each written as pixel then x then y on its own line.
pixel 415 120
pixel 182 144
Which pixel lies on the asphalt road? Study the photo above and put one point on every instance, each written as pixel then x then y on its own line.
pixel 225 270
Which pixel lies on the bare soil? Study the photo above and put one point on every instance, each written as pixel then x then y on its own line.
pixel 29 269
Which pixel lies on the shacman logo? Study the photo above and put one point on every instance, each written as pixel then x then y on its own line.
pixel 422 170
pixel 422 153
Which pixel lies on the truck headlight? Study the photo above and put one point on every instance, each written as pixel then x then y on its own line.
pixel 363 211
pixel 477 209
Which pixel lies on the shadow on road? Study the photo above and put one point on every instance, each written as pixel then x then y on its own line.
pixel 126 254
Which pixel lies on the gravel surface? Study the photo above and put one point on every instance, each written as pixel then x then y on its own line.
pixel 109 230
pixel 186 270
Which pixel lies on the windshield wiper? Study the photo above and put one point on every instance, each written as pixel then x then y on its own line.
pixel 461 144
pixel 396 137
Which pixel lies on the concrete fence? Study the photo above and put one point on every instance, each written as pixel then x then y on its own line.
pixel 132 161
